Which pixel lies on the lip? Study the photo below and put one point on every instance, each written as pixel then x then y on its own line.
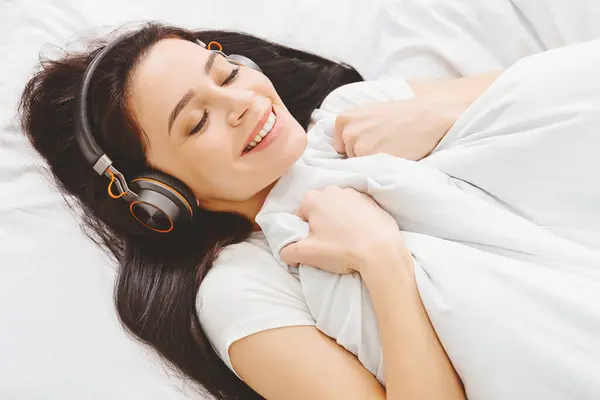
pixel 271 137
pixel 257 129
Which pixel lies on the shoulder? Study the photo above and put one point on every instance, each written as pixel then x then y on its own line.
pixel 245 292
pixel 241 266
pixel 361 93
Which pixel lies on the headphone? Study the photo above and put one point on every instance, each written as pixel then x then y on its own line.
pixel 156 200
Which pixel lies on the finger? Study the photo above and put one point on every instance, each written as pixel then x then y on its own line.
pixel 302 213
pixel 333 189
pixel 338 142
pixel 308 251
pixel 309 203
pixel 349 146
pixel 360 149
pixel 289 255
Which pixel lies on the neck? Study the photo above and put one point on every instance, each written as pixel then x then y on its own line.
pixel 248 208
pixel 256 203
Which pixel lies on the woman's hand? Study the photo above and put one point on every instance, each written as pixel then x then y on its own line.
pixel 403 128
pixel 411 128
pixel 348 231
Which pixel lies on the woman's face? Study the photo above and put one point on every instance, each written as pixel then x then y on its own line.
pixel 220 128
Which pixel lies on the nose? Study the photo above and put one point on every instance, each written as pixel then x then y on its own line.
pixel 237 102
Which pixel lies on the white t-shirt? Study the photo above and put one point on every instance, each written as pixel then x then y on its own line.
pixel 247 290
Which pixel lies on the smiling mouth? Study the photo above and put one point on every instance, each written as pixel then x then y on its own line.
pixel 264 132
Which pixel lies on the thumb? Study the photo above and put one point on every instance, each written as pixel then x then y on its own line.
pixel 338 142
pixel 305 251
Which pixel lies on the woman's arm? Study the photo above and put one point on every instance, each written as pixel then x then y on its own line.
pixel 349 232
pixel 302 363
pixel 416 365
pixel 468 88
pixel 299 363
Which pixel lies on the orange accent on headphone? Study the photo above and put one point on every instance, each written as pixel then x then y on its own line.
pixel 149 227
pixel 217 43
pixel 112 179
pixel 169 187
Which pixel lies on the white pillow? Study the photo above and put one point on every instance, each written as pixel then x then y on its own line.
pixel 558 22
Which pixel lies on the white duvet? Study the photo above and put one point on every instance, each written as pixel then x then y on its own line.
pixel 503 221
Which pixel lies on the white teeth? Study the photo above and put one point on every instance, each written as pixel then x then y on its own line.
pixel 269 124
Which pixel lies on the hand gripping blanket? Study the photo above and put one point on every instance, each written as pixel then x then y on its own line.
pixel 503 222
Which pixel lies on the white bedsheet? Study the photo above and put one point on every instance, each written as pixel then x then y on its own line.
pixel 60 338
pixel 504 231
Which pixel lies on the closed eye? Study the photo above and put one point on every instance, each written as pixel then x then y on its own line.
pixel 231 76
pixel 202 122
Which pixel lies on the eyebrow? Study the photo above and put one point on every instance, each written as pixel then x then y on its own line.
pixel 190 93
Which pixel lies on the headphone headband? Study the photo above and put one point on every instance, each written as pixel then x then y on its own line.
pixel 92 152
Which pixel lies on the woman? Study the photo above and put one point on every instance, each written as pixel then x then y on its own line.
pixel 132 98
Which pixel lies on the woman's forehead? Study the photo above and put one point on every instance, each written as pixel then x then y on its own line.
pixel 166 73
pixel 170 56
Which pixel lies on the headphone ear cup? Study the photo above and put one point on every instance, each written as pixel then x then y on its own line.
pixel 163 202
pixel 245 61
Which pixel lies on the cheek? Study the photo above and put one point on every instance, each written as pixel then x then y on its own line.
pixel 212 172
pixel 265 87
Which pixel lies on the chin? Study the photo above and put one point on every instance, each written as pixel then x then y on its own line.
pixel 294 149
pixel 299 143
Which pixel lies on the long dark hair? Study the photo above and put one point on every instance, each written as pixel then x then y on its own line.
pixel 159 274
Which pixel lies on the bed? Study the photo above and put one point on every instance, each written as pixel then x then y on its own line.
pixel 60 337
